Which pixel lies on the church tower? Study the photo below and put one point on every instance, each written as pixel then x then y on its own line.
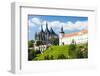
pixel 61 34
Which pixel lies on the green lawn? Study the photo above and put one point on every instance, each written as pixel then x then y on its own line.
pixel 54 51
pixel 62 52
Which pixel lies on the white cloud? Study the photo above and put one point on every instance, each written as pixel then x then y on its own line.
pixel 56 24
pixel 30 24
pixel 36 21
pixel 78 25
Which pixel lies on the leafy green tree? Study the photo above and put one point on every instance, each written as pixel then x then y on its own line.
pixel 39 43
pixel 82 51
pixel 72 49
pixel 30 43
pixel 79 53
pixel 31 54
pixel 54 41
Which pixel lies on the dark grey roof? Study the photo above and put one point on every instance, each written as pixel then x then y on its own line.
pixel 47 30
pixel 41 29
pixel 52 32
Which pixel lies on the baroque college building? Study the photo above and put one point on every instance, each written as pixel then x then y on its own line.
pixel 78 37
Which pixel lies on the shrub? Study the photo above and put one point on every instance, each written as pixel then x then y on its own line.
pixel 72 50
pixel 52 57
pixel 31 54
pixel 72 47
pixel 46 57
pixel 61 56
pixel 82 51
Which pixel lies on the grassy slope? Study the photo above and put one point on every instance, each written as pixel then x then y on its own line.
pixel 55 51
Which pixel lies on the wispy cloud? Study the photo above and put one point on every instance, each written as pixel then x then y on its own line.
pixel 30 23
pixel 34 21
pixel 78 25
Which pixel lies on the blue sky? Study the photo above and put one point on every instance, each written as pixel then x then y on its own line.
pixel 69 23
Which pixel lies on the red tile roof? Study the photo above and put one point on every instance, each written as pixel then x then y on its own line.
pixel 76 33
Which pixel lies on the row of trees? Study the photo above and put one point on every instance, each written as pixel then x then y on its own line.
pixel 53 41
pixel 78 51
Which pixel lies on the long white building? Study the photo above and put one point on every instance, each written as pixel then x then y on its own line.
pixel 78 37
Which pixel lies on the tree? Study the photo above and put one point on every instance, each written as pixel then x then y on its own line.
pixel 54 41
pixel 82 51
pixel 72 46
pixel 39 43
pixel 30 43
pixel 31 54
pixel 72 49
pixel 79 53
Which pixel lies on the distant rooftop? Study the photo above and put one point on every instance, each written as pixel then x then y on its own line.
pixel 76 33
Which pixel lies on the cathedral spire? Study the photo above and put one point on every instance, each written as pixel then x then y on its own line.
pixel 47 30
pixel 41 28
pixel 46 25
pixel 62 30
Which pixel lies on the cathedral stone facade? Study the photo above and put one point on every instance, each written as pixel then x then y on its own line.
pixel 45 35
pixel 44 38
